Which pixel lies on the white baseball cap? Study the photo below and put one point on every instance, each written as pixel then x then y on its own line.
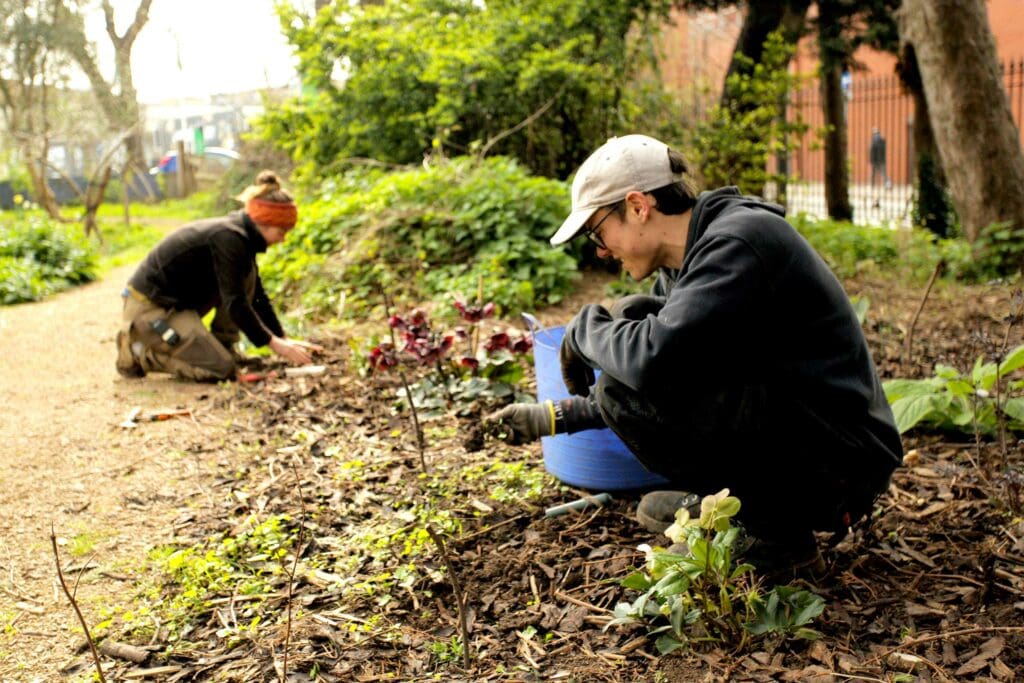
pixel 631 162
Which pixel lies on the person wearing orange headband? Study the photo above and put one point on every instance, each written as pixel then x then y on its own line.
pixel 205 265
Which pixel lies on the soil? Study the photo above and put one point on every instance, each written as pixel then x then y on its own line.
pixel 108 493
pixel 933 589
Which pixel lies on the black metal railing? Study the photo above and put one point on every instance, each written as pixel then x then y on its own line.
pixel 879 193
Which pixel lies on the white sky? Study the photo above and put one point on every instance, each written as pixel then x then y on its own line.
pixel 224 46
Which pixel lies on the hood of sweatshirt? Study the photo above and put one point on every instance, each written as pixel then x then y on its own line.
pixel 715 203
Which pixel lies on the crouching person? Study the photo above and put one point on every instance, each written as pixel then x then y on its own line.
pixel 201 266
pixel 745 368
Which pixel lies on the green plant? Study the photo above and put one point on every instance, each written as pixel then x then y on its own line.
pixel 446 651
pixel 735 141
pixel 933 209
pixel 39 256
pixel 999 250
pixel 230 565
pixel 432 76
pixel 961 401
pixel 422 233
pixel 702 596
pixel 850 249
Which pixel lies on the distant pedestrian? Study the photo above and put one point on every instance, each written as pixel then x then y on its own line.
pixel 876 153
pixel 205 265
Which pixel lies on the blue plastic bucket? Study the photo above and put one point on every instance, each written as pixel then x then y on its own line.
pixel 592 459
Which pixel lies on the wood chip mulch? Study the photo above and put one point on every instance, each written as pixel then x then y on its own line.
pixel 933 590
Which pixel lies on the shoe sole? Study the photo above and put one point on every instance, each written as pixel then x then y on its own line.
pixel 129 369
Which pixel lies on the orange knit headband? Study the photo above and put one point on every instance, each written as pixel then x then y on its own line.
pixel 274 214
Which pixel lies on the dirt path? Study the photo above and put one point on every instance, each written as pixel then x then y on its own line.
pixel 110 493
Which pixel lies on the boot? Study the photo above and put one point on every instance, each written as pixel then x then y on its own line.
pixel 127 364
pixel 781 561
pixel 657 509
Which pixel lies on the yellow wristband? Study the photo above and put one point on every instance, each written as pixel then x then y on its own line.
pixel 551 409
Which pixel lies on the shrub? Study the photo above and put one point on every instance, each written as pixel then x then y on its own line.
pixel 851 249
pixel 424 233
pixel 734 143
pixel 39 257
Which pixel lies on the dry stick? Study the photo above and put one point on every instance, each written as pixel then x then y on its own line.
pixel 460 597
pixel 74 604
pixel 522 124
pixel 948 634
pixel 908 342
pixel 405 384
pixel 1000 357
pixel 291 577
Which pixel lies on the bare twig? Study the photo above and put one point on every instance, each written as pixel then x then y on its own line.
pixel 291 576
pixel 1014 315
pixel 909 340
pixel 405 385
pixel 74 604
pixel 460 597
pixel 947 634
pixel 522 124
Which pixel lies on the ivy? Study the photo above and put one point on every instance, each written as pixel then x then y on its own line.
pixel 424 233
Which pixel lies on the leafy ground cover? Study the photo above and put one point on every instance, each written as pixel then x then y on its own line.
pixel 40 256
pixel 932 590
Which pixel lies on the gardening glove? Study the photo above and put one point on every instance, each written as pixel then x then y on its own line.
pixel 525 422
pixel 577 375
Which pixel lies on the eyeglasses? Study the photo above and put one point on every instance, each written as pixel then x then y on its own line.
pixel 591 233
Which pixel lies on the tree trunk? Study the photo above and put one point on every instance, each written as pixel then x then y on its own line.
pixel 977 141
pixel 837 176
pixel 93 198
pixel 762 19
pixel 41 190
pixel 932 208
pixel 121 109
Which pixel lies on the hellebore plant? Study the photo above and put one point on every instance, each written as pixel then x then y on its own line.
pixel 701 595
pixel 484 371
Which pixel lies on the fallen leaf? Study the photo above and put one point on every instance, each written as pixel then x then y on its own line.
pixel 916 610
pixel 988 651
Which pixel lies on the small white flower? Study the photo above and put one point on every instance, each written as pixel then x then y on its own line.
pixel 982 393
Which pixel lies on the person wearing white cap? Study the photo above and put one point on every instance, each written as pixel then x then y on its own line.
pixel 746 367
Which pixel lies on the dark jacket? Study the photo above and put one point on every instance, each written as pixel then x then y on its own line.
pixel 204 265
pixel 752 304
pixel 876 150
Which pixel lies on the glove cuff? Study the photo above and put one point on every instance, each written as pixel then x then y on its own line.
pixel 556 418
pixel 579 413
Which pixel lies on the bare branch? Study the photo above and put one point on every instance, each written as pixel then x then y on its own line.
pixel 522 124
pixel 74 604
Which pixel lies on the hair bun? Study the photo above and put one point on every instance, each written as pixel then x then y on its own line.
pixel 268 177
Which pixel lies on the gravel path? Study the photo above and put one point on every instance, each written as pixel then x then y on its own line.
pixel 110 493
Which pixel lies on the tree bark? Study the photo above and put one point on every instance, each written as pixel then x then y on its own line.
pixel 121 109
pixel 976 139
pixel 837 177
pixel 933 209
pixel 762 19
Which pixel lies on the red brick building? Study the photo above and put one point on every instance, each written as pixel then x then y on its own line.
pixel 697 48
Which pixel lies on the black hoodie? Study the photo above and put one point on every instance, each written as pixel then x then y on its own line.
pixel 205 264
pixel 752 303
